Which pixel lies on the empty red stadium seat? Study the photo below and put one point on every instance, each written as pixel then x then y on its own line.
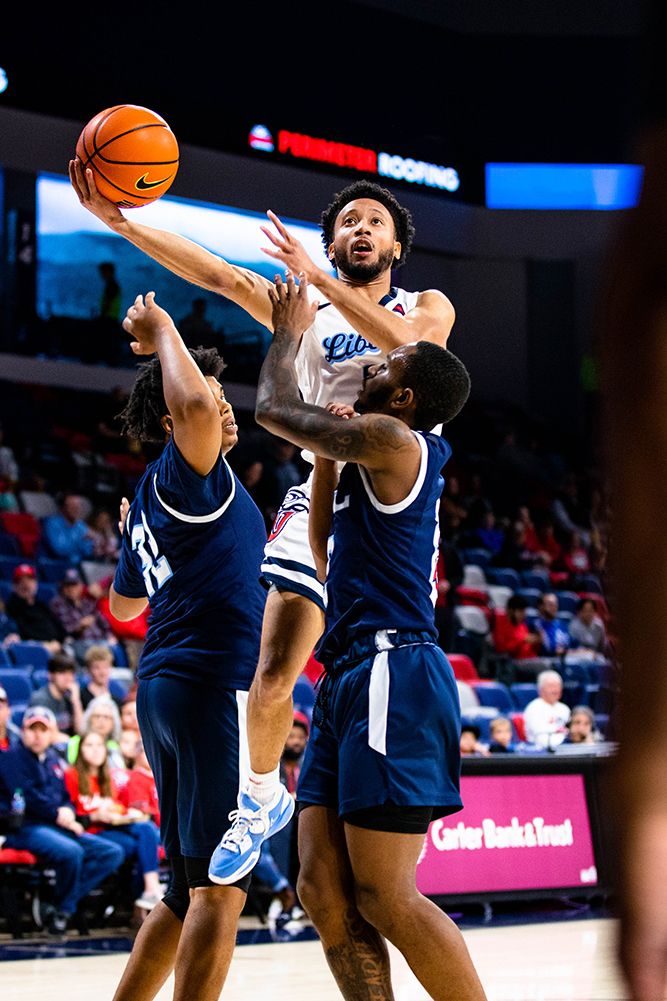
pixel 25 528
pixel 519 726
pixel 472 596
pixel 463 667
pixel 11 856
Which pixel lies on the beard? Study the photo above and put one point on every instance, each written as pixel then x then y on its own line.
pixel 373 399
pixel 291 754
pixel 364 272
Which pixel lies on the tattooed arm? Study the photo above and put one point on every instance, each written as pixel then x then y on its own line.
pixel 384 445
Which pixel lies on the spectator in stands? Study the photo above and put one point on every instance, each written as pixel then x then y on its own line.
pixel 555 639
pixel 470 744
pixel 9 631
pixel 78 613
pixel 103 532
pixel 101 717
pixel 66 535
pixel 545 718
pixel 128 714
pixel 581 727
pixel 511 635
pixel 514 552
pixel 549 547
pixel 132 633
pixel 108 436
pixel 61 695
pixel 194 328
pixel 532 540
pixel 450 576
pixel 486 535
pixel 283 466
pixel 110 302
pixel 96 798
pixel 587 631
pixel 575 559
pixel 33 617
pixel 140 791
pixel 9 469
pixel 9 734
pixel 50 829
pixel 569 511
pixel 99 661
pixel 128 743
pixel 293 752
pixel 501 736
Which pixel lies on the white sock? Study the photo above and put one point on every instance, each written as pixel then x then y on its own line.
pixel 264 785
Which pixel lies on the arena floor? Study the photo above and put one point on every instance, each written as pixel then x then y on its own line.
pixel 569 960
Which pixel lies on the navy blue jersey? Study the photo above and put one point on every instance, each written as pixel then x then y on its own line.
pixel 382 567
pixel 194 545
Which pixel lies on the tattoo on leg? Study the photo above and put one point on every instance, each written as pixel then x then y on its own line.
pixel 360 965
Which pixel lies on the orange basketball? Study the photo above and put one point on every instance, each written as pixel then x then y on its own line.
pixel 133 153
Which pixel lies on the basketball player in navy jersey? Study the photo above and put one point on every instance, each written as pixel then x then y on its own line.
pixel 192 545
pixel 383 760
pixel 361 317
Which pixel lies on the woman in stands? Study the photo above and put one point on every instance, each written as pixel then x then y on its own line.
pixel 95 793
pixel 101 717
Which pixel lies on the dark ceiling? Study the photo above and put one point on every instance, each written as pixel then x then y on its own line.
pixel 456 82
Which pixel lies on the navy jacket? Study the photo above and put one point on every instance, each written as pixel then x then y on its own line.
pixel 42 783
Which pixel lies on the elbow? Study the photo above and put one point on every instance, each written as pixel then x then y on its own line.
pixel 201 405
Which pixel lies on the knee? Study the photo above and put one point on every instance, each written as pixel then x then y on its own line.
pixel 110 853
pixel 378 907
pixel 318 897
pixel 273 679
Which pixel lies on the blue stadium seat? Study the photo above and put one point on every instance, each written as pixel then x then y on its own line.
pixel 567 601
pixel 590 694
pixel 581 672
pixel 536 578
pixel 8 565
pixel 40 677
pixel 506 577
pixel 532 617
pixel 5 659
pixel 29 654
pixel 46 592
pixel 5 590
pixel 478 558
pixel 531 594
pixel 591 583
pixel 483 721
pixel 119 655
pixel 523 692
pixel 574 693
pixel 304 694
pixel 52 571
pixel 17 713
pixel 16 682
pixel 9 545
pixel 602 723
pixel 494 693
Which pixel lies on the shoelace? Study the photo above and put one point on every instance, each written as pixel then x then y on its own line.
pixel 242 822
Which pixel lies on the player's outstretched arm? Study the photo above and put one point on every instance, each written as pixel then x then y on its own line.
pixel 382 444
pixel 186 259
pixel 193 412
pixel 320 513
pixel 432 318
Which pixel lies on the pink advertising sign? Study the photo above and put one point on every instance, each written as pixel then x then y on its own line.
pixel 516 832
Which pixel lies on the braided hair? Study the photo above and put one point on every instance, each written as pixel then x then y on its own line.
pixel 142 416
pixel 404 231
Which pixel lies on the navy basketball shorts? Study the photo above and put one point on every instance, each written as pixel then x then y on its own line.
pixel 390 739
pixel 195 739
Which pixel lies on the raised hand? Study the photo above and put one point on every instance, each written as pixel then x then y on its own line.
pixel 292 313
pixel 289 250
pixel 124 511
pixel 343 410
pixel 83 183
pixel 144 322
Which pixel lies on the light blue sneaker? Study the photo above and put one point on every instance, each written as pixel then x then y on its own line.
pixel 252 823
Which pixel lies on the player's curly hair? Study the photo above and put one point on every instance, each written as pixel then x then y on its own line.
pixel 440 382
pixel 147 406
pixel 403 227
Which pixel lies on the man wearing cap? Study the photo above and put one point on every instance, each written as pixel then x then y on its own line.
pixel 9 734
pixel 33 772
pixel 61 695
pixel 33 617
pixel 78 612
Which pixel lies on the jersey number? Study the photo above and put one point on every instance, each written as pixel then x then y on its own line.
pixel 155 568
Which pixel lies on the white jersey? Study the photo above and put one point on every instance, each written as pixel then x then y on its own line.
pixel 332 355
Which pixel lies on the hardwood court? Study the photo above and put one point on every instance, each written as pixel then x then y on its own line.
pixel 561 961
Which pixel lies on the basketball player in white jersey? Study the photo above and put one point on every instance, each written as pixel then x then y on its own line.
pixel 361 318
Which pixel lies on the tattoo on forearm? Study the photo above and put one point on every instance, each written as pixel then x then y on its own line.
pixel 278 400
pixel 360 964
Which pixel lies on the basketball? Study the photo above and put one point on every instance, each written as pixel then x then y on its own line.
pixel 133 153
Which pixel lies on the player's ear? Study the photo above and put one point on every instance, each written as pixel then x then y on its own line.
pixel 330 252
pixel 167 424
pixel 402 400
pixel 397 251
